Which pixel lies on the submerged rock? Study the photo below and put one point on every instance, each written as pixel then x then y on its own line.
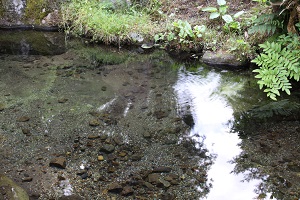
pixel 224 59
pixel 2 106
pixel 59 162
pixel 10 190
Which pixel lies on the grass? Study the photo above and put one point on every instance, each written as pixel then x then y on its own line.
pixel 102 21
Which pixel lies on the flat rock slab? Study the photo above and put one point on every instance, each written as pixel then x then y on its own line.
pixel 224 60
pixel 10 190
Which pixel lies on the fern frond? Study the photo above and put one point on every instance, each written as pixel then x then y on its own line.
pixel 277 66
pixel 265 24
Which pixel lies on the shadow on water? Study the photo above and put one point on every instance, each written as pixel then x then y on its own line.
pixel 138 126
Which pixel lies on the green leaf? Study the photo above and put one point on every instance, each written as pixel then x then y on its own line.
pixel 236 15
pixel 221 2
pixel 227 18
pixel 223 10
pixel 210 9
pixel 214 15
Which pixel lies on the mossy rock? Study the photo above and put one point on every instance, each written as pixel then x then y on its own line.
pixel 10 190
pixel 224 59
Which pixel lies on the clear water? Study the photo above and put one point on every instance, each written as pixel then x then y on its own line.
pixel 171 113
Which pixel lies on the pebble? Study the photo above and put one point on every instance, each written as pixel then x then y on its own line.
pixel 147 134
pixel 103 88
pixel 23 119
pixel 59 162
pixel 115 187
pixel 107 148
pixel 27 179
pixel 94 122
pixel 164 183
pixel 100 158
pixel 136 157
pixel 154 178
pixel 92 137
pixel 122 153
pixel 127 191
pixel 26 131
pixel 63 100
pixel 161 169
pixel 2 106
pixel 118 140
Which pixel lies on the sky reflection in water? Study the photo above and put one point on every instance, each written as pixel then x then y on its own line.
pixel 211 113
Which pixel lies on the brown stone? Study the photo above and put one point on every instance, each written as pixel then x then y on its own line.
pixel 115 187
pixel 127 191
pixel 59 162
pixel 23 119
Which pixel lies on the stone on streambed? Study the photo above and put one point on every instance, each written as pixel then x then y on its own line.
pixel 59 162
pixel 2 106
pixel 10 190
pixel 224 59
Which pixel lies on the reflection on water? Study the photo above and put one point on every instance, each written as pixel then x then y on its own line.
pixel 31 43
pixel 198 94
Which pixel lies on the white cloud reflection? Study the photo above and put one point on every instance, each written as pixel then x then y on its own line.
pixel 211 113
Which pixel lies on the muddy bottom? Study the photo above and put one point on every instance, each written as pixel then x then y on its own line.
pixel 75 126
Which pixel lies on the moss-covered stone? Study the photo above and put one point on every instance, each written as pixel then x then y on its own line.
pixel 10 190
pixel 36 10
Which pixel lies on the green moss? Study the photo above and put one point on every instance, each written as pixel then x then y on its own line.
pixel 1 9
pixel 36 10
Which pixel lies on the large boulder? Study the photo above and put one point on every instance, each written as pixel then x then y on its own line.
pixel 10 190
pixel 225 60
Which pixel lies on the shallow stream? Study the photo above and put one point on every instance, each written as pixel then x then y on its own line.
pixel 130 124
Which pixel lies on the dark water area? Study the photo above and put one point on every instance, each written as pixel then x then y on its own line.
pixel 93 122
pixel 29 42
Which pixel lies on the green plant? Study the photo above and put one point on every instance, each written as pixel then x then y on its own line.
pixel 217 12
pixel 183 32
pixel 277 64
pixel 105 22
pixel 266 24
pixel 231 23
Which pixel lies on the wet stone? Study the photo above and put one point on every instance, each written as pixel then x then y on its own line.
pixel 100 158
pixel 147 134
pixel 23 119
pixel 63 100
pixel 118 140
pixel 164 183
pixel 115 187
pixel 59 162
pixel 92 137
pixel 94 122
pixel 127 191
pixel 10 190
pixel 103 88
pixel 111 169
pixel 159 114
pixel 149 185
pixel 154 178
pixel 26 131
pixel 71 197
pixel 103 137
pixel 136 157
pixel 2 106
pixel 161 169
pixel 107 148
pixel 27 179
pixel 122 154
